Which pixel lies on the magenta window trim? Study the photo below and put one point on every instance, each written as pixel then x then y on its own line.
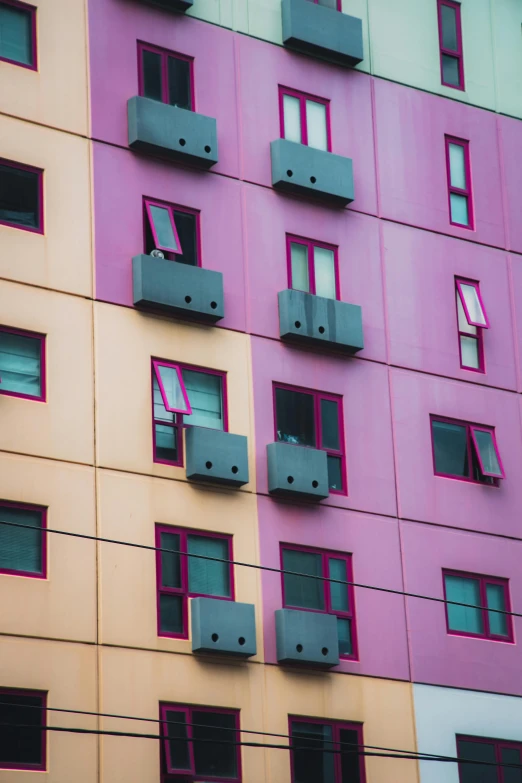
pixel 174 208
pixel 31 11
pixel 34 336
pixel 165 54
pixel 310 244
pixel 39 229
pixel 337 727
pixel 479 336
pixel 148 204
pixel 498 745
pixel 326 555
pixel 458 53
pixel 472 450
pixel 42 695
pixel 466 192
pixel 43 515
pixel 187 408
pixel 338 3
pixel 303 97
pixel 483 582
pixel 189 775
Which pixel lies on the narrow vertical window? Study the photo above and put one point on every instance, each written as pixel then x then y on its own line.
pixel 471 320
pixel 22 549
pixel 313 267
pixel 21 196
pixel 305 119
pixel 480 606
pixel 172 230
pixel 18 33
pixel 450 43
pixel 326 752
pixel 22 364
pixel 22 740
pixel 165 76
pixel 459 182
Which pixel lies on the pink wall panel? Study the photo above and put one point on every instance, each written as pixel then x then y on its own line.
pixel 515 262
pixel 511 162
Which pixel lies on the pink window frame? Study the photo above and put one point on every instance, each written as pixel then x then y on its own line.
pixel 326 555
pixel 337 726
pixel 483 582
pixel 318 396
pixel 339 3
pixel 179 425
pixel 173 208
pixel 184 592
pixel 148 204
pixel 471 444
pixel 155 365
pixel 31 694
pixel 33 336
pixel 31 10
pixel 499 745
pixel 458 54
pixel 189 775
pixel 479 337
pixel 34 170
pixel 467 191
pixel 165 54
pixel 43 514
pixel 303 97
pixel 310 244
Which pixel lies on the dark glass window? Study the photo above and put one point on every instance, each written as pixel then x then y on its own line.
pixel 21 364
pixel 21 550
pixel 450 42
pixel 467 451
pixel 316 746
pixel 17 39
pixel 166 76
pixel 22 742
pixel 486 753
pixel 20 196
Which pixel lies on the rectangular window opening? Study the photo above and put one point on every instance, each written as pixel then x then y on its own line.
pixel 471 320
pixel 22 741
pixel 22 549
pixel 480 606
pixel 450 44
pixel 323 751
pixel 166 76
pixel 466 451
pixel 22 364
pixel 458 166
pixel 313 267
pixel 18 33
pixel 21 196
pixel 305 119
pixel 172 230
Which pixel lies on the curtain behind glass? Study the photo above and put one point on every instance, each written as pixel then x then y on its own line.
pixel 463 618
pixel 20 364
pixel 20 549
pixel 316 125
pixel 292 118
pixel 208 577
pixel 300 591
pixel 324 267
pixel 457 166
pixel 205 396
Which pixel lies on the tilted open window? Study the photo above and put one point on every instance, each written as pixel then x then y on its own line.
pixel 172 229
pixel 465 451
pixel 472 319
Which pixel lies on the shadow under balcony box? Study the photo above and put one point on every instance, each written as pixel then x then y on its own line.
pixel 313 29
pixel 179 134
pixel 304 170
pixel 311 319
pixel 223 627
pixel 216 457
pixel 179 6
pixel 181 289
pixel 307 638
pixel 297 471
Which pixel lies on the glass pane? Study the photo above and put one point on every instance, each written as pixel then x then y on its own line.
pixel 330 425
pixel 511 756
pixel 179 83
pixel 487 452
pixel 176 729
pixel 216 756
pixel 20 745
pixel 164 229
pixel 324 268
pixel 350 764
pixel 166 443
pixel 312 762
pixel 316 125
pixel 449 27
pixel 20 549
pixel 496 599
pixel 477 751
pixel 152 87
pixel 170 562
pixel 171 613
pixel 299 262
pixel 171 382
pixel 457 166
pixel 344 632
pixel 450 70
pixel 16 41
pixel 186 225
pixel 469 351
pixel 463 618
pixel 206 399
pixel 20 364
pixel 19 197
pixel 292 118
pixel 328 3
pixel 473 304
pixel 300 591
pixel 338 593
pixel 295 417
pixel 450 446
pixel 335 473
pixel 459 209
pixel 208 577
pixel 463 321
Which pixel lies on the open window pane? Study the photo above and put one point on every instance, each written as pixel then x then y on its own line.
pixel 311 763
pixel 179 83
pixel 451 448
pixel 338 592
pixel 511 756
pixel 448 18
pixel 215 754
pixel 469 352
pixel 450 70
pixel 324 267
pixel 171 613
pixel 459 209
pixel 163 228
pixel 292 118
pixel 316 125
pixel 472 305
pixel 299 590
pixel 151 71
pixel 479 752
pixel 299 263
pixel 464 618
pixel 344 634
pixel 464 325
pixel 496 599
pixel 20 364
pixel 206 399
pixel 330 425
pixel 21 741
pixel 170 561
pixel 487 453
pixel 16 39
pixel 457 166
pixel 295 417
pixel 208 577
pixel 172 388
pixel 350 761
pixel 21 549
pixel 178 753
pixel 19 197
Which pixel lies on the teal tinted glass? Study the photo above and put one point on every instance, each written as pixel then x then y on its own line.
pixel 466 591
pixel 338 592
pixel 496 599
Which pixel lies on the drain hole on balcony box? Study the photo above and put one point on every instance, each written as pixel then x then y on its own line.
pixel 315 484
pixel 313 180
pixel 241 640
pixel 188 299
pixel 289 173
pixel 325 651
pixel 213 305
pixel 208 465
pixel 299 647
pixel 298 324
pixel 214 637
pixel 207 149
pixel 235 468
pixel 182 142
pixel 321 330
pixel 290 479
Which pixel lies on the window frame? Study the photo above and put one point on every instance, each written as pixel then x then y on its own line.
pixel 184 591
pixel 483 582
pixel 467 192
pixel 337 726
pixel 165 54
pixel 31 10
pixel 339 4
pixel 42 510
pixel 479 336
pixel 147 223
pixel 326 555
pixel 43 389
pixel 470 442
pixel 457 54
pixel 318 396
pixel 39 172
pixel 310 244
pixel 303 97
pixel 498 745
pixel 42 767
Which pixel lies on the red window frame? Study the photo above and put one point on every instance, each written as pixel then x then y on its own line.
pixel 31 11
pixel 339 4
pixel 42 695
pixel 165 54
pixel 473 452
pixel 479 328
pixel 325 555
pixel 39 229
pixel 174 210
pixel 184 591
pixel 303 97
pixel 483 582
pixel 465 192
pixel 310 244
pixel 43 527
pixel 318 396
pixel 458 53
pixel 337 727
pixel 33 336
pixel 499 746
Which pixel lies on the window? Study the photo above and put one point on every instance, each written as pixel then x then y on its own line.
pixel 18 33
pixel 490 751
pixel 22 364
pixel 450 43
pixel 22 551
pixel 312 758
pixel 173 230
pixel 184 396
pixel 165 76
pixel 301 592
pixel 336 5
pixel 199 743
pixel 478 591
pixel 309 418
pixel 312 267
pixel 22 741
pixel 471 319
pixel 459 182
pixel 21 196
pixel 465 451
pixel 180 576
pixel 305 119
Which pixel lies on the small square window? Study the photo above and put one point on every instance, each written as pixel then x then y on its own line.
pixel 450 44
pixel 22 549
pixel 326 751
pixel 22 741
pixel 459 182
pixel 21 196
pixel 18 33
pixel 305 119
pixel 22 360
pixel 166 76
pixel 471 320
pixel 172 230
pixel 313 267
pixel 466 451
pixel 480 606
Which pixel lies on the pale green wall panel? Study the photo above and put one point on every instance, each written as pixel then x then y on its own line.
pixel 507 43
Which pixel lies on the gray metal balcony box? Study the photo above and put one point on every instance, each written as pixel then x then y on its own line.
pixel 297 471
pixel 307 637
pixel 297 168
pixel 217 457
pixel 178 134
pixel 324 32
pixel 180 289
pixel 180 6
pixel 223 627
pixel 309 319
